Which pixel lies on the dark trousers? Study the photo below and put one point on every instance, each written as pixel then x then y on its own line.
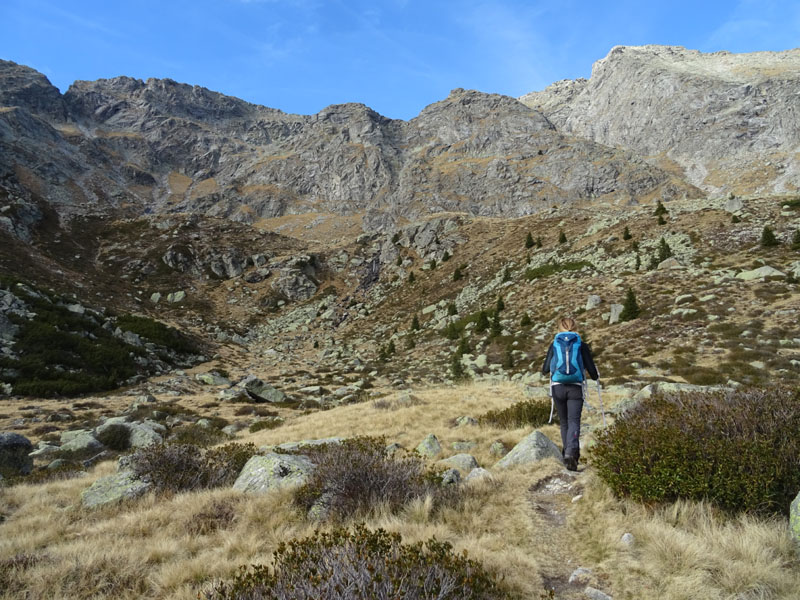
pixel 568 399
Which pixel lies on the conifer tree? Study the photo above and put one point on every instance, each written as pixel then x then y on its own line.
pixel 529 241
pixel 525 321
pixel 661 220
pixel 539 242
pixel 660 209
pixel 415 323
pixel 451 309
pixel 482 324
pixel 508 359
pixel 664 251
pixel 630 309
pixel 506 274
pixel 457 275
pixel 411 277
pixel 768 238
pixel 796 240
pixel 496 328
pixel 626 234
pixel 463 346
pixel 562 238
pixel 500 304
pixel 456 368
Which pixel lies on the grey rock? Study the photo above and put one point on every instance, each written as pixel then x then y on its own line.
pixel 175 297
pixel 593 301
pixel 81 441
pixel 595 594
pixel 212 379
pixel 451 477
pixel 478 474
pixel 794 520
pixel 533 448
pixel 497 449
pixel 15 450
pixel 260 391
pixel 120 486
pixel 580 575
pixel 262 474
pixel 463 446
pixel 463 462
pixel 615 310
pixel 429 447
pixel 294 285
pixel 765 272
pixel 628 540
pixel 466 421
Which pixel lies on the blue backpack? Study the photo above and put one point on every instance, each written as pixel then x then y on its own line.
pixel 566 366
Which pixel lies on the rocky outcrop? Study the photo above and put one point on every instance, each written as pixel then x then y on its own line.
pixel 189 149
pixel 114 488
pixel 728 120
pixel 273 471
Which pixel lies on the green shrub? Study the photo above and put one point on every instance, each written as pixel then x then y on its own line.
pixel 768 238
pixel 415 326
pixel 362 565
pixel 664 251
pixel 660 209
pixel 456 368
pixel 736 219
pixel 457 274
pixel 626 233
pixel 533 413
pixel 184 467
pixel 356 476
pixel 739 450
pixel 482 324
pixel 197 435
pixel 529 240
pixel 525 321
pixel 158 333
pixel 115 437
pixel 562 237
pixel 265 424
pixel 451 309
pixel 630 308
pixel 796 240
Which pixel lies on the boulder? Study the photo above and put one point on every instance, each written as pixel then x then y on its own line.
pixel 175 297
pixel 478 474
pixel 794 519
pixel 593 301
pixel 533 448
pixel 262 474
pixel 670 263
pixel 451 477
pixel 211 379
pixel 764 272
pixel 261 391
pixel 79 441
pixel 430 446
pixel 615 310
pixel 294 285
pixel 463 462
pixel 114 488
pixel 14 454
pixel 466 421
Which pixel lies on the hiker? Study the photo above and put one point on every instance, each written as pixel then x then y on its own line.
pixel 566 360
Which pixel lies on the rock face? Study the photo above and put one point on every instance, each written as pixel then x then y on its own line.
pixel 211 154
pixel 14 451
pixel 712 114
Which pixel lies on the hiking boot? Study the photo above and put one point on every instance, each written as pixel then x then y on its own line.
pixel 571 463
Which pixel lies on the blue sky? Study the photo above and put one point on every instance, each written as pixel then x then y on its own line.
pixel 396 56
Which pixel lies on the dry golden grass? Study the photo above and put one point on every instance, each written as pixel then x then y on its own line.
pixel 170 547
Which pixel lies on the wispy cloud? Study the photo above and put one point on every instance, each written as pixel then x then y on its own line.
pixel 763 24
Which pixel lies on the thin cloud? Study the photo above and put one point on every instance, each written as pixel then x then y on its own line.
pixel 767 25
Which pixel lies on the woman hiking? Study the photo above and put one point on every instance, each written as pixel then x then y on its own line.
pixel 566 360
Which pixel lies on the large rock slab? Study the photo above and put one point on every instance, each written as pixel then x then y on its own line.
pixel 15 456
pixel 465 463
pixel 533 448
pixel 114 488
pixel 262 474
pixel 260 391
pixel 764 272
pixel 79 441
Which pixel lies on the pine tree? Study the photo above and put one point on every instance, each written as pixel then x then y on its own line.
pixel 529 241
pixel 638 262
pixel 525 321
pixel 768 238
pixel 415 323
pixel 626 234
pixel 660 209
pixel 411 277
pixel 446 256
pixel 463 346
pixel 496 328
pixel 796 240
pixel 664 251
pixel 661 220
pixel 508 359
pixel 482 324
pixel 630 309
pixel 500 304
pixel 562 238
pixel 451 309
pixel 457 275
pixel 456 368
pixel 432 264
pixel 506 274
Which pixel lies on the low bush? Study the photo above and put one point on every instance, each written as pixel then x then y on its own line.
pixel 534 413
pixel 740 450
pixel 357 475
pixel 197 435
pixel 362 565
pixel 270 423
pixel 158 333
pixel 115 437
pixel 184 467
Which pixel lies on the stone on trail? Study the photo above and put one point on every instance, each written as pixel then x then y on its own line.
pixel 430 446
pixel 533 448
pixel 14 454
pixel 114 488
pixel 262 474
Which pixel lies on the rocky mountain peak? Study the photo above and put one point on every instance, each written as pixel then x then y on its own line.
pixel 25 87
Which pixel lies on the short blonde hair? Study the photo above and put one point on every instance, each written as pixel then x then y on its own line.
pixel 567 324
